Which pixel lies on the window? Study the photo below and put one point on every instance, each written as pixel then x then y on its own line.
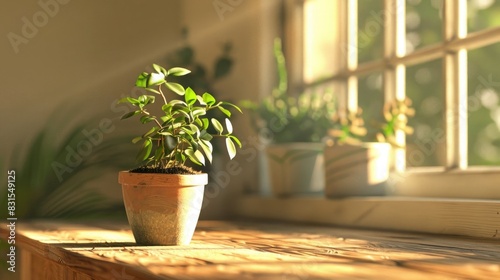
pixel 374 51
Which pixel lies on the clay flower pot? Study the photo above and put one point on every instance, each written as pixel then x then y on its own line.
pixel 296 168
pixel 357 170
pixel 162 209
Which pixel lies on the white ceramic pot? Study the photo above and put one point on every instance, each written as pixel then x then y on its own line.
pixel 296 168
pixel 357 170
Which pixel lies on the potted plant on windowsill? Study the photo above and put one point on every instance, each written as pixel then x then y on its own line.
pixel 356 168
pixel 295 127
pixel 163 196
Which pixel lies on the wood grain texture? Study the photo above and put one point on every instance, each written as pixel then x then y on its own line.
pixel 250 250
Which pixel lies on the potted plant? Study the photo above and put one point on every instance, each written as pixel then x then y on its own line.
pixel 356 168
pixel 163 196
pixel 295 126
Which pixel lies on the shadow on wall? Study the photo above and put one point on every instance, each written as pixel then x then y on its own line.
pixel 51 173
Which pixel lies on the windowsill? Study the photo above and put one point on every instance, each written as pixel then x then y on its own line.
pixel 467 217
pixel 477 182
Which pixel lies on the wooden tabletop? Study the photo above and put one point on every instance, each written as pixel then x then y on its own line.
pixel 250 250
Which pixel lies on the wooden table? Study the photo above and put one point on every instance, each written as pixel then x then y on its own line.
pixel 249 250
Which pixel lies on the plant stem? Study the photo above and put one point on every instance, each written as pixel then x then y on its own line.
pixel 162 95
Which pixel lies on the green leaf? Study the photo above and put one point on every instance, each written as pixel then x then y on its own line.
pixel 231 149
pixel 232 105
pixel 149 99
pixel 200 99
pixel 136 139
pixel 204 135
pixel 166 133
pixel 130 114
pixel 146 119
pixel 208 98
pixel 167 108
pixel 130 100
pixel 195 130
pixel 153 90
pixel 229 126
pixel 190 96
pixel 145 150
pixel 159 69
pixel 198 122
pixel 156 79
pixel 199 111
pixel 182 112
pixel 159 152
pixel 217 126
pixel 235 140
pixel 205 123
pixel 165 118
pixel 207 148
pixel 178 71
pixel 150 132
pixel 225 111
pixel 142 80
pixel 195 157
pixel 177 102
pixel 177 88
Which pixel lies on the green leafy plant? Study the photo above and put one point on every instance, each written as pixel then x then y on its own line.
pixel 396 115
pixel 201 78
pixel 303 118
pixel 181 132
pixel 46 190
pixel 349 128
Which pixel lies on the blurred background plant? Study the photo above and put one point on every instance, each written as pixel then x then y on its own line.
pixel 49 187
pixel 396 114
pixel 201 79
pixel 349 129
pixel 303 118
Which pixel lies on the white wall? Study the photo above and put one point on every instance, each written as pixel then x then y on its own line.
pixel 251 26
pixel 85 50
pixel 92 51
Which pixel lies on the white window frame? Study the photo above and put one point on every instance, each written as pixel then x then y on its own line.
pixel 454 199
pixel 455 179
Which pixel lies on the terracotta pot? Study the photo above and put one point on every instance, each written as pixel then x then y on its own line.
pixel 162 209
pixel 295 168
pixel 357 170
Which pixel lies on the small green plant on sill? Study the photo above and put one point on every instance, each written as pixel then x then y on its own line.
pixel 181 132
pixel 349 128
pixel 303 118
pixel 396 115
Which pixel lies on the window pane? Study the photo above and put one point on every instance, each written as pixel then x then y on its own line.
pixel 423 23
pixel 371 100
pixel 484 106
pixel 319 55
pixel 370 30
pixel 424 86
pixel 482 14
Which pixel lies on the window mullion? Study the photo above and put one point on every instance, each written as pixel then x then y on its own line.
pixel 348 54
pixel 394 74
pixel 455 71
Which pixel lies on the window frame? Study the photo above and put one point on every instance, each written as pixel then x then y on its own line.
pixel 452 50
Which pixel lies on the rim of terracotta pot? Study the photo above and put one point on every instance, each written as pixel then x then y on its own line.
pixel 161 179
